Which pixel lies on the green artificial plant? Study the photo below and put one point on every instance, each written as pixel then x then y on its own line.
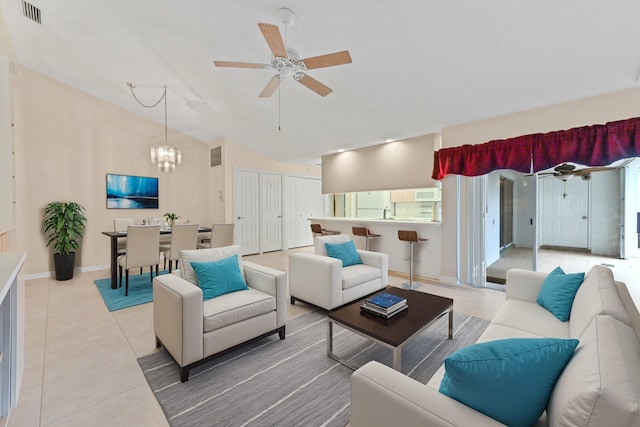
pixel 64 224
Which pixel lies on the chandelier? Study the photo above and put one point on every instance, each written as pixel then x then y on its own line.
pixel 165 156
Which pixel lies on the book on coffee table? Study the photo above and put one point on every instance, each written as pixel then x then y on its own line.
pixel 385 302
pixel 383 314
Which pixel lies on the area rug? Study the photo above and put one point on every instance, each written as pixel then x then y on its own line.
pixel 292 382
pixel 140 291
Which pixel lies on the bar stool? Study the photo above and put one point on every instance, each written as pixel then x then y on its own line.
pixel 410 236
pixel 364 232
pixel 317 230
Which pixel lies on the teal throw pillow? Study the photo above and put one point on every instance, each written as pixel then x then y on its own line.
pixel 509 380
pixel 346 252
pixel 558 291
pixel 219 277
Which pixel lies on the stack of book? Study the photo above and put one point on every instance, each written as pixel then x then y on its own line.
pixel 384 305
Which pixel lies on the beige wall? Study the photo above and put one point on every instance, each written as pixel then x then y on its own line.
pixel 596 110
pixel 369 168
pixel 66 143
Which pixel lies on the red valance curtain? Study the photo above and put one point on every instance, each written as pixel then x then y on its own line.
pixel 597 145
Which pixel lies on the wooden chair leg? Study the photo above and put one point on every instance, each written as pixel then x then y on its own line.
pixel 120 270
pixel 170 266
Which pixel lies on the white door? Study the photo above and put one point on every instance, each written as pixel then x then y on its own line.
pixel 246 201
pixel 296 223
pixel 270 212
pixel 564 213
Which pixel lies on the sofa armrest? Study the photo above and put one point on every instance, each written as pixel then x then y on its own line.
pixel 524 284
pixel 272 282
pixel 381 396
pixel 316 279
pixel 379 260
pixel 178 317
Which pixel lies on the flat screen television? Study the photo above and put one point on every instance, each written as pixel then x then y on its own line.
pixel 131 192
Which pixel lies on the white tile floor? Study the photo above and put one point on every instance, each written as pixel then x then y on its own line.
pixel 81 366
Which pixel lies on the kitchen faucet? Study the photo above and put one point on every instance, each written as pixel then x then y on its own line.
pixel 384 212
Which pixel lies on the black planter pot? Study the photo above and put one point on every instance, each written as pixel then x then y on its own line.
pixel 63 265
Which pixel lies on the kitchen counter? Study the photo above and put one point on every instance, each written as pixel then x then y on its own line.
pixel 426 255
pixel 393 220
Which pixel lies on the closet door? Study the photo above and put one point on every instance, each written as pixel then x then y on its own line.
pixel 246 210
pixel 270 212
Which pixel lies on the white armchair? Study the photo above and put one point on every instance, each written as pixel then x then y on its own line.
pixel 193 331
pixel 322 281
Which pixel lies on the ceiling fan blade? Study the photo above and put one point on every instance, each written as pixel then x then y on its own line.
pixel 272 35
pixel 271 87
pixel 587 171
pixel 315 85
pixel 328 60
pixel 237 64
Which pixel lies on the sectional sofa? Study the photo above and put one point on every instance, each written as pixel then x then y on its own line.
pixel 600 385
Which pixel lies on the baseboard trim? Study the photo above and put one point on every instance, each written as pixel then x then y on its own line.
pixel 48 274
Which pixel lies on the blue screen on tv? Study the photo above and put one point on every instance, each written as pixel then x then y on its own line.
pixel 131 192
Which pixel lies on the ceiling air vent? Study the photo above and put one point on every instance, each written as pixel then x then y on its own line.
pixel 31 12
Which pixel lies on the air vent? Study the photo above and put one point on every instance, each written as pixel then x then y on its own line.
pixel 216 156
pixel 31 12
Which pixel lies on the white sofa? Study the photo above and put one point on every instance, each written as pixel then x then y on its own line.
pixel 322 281
pixel 600 386
pixel 193 330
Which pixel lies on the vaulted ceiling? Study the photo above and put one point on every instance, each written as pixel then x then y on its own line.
pixel 418 65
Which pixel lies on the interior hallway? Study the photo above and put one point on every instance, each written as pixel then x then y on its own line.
pixel 81 360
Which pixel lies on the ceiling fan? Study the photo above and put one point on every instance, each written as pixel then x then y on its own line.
pixel 286 61
pixel 566 171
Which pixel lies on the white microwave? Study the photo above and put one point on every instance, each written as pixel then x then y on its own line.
pixel 427 195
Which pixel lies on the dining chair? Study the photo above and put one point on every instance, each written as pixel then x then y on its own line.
pixel 221 235
pixel 142 251
pixel 119 225
pixel 183 237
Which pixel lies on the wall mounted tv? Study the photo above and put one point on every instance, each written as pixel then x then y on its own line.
pixel 131 192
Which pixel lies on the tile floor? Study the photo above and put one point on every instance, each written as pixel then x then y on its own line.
pixel 80 363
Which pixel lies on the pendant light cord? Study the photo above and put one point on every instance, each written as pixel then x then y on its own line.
pixel 164 96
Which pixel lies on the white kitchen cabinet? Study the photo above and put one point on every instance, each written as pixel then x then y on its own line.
pixel 398 196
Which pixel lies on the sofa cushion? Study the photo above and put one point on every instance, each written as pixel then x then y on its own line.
pixel 235 307
pixel 601 384
pixel 509 380
pixel 318 242
pixel 358 274
pixel 345 252
pixel 530 317
pixel 221 277
pixel 597 295
pixel 206 255
pixel 558 291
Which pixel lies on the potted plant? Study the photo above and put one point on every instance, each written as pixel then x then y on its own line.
pixel 170 217
pixel 64 224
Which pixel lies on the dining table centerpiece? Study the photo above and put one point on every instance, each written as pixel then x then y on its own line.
pixel 170 217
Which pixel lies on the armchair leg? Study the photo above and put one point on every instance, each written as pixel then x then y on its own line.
pixel 293 301
pixel 184 374
pixel 158 343
pixel 281 332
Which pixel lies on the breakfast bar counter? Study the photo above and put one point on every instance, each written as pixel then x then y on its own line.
pixel 426 255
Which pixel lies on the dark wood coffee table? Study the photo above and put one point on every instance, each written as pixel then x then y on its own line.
pixel 394 333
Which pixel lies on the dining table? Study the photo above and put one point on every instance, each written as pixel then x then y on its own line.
pixel 115 235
